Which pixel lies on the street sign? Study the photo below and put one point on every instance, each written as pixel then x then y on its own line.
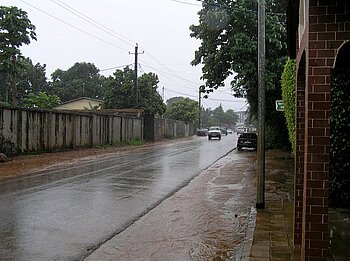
pixel 279 105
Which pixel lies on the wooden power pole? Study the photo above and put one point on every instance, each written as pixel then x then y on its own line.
pixel 136 88
pixel 260 204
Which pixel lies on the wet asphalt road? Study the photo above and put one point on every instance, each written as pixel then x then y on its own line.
pixel 66 214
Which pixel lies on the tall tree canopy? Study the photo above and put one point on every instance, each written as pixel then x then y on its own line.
pixel 184 109
pixel 30 78
pixel 15 30
pixel 119 91
pixel 81 80
pixel 228 34
pixel 218 117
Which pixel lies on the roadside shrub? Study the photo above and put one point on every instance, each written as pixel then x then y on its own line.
pixel 134 142
pixel 288 96
pixel 339 180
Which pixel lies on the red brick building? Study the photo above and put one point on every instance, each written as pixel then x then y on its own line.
pixel 318 34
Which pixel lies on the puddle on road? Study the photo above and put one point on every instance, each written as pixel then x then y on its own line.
pixel 207 220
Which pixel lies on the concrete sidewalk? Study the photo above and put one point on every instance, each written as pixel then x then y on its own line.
pixel 273 234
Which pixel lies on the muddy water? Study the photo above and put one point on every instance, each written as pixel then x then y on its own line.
pixel 207 220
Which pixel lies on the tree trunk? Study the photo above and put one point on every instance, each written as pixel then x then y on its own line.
pixel 14 84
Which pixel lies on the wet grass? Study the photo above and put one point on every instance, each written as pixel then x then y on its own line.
pixel 132 143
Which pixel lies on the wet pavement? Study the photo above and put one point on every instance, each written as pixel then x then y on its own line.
pixel 65 214
pixel 339 224
pixel 273 234
pixel 212 218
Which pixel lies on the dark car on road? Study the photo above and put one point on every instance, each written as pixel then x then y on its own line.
pixel 223 131
pixel 247 140
pixel 202 132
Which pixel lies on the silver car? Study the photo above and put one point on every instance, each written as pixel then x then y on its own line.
pixel 214 132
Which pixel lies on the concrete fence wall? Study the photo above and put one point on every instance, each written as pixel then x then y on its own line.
pixel 29 130
pixel 158 128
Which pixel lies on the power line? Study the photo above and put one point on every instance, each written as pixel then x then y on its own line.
pixel 163 65
pixel 115 67
pixel 108 31
pixel 101 27
pixel 93 22
pixel 182 2
pixel 173 75
pixel 209 98
pixel 189 95
pixel 73 26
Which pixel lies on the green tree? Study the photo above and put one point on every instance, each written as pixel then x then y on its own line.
pixel 81 80
pixel 41 100
pixel 119 92
pixel 230 118
pixel 15 30
pixel 205 116
pixel 184 109
pixel 5 87
pixel 149 98
pixel 218 115
pixel 173 99
pixel 228 34
pixel 30 78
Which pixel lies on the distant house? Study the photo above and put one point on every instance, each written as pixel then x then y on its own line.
pixel 318 37
pixel 82 103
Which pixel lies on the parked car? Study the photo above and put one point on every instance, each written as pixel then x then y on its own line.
pixel 247 140
pixel 202 132
pixel 214 132
pixel 223 131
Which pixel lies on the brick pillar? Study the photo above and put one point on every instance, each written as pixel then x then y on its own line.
pixel 299 153
pixel 322 43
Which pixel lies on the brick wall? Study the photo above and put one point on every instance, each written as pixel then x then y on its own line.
pixel 328 26
pixel 299 154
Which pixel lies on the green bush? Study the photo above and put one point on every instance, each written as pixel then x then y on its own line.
pixel 288 96
pixel 339 180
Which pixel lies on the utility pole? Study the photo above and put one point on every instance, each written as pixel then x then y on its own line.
pixel 200 106
pixel 136 88
pixel 260 204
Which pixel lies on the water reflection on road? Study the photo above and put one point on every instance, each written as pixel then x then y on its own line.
pixel 63 214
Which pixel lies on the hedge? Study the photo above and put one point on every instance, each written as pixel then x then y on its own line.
pixel 339 179
pixel 288 97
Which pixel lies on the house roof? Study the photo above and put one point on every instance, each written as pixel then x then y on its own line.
pixel 82 98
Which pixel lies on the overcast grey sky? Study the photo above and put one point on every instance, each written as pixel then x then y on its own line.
pixel 66 35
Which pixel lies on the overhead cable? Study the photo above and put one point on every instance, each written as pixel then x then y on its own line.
pixel 93 22
pixel 73 26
